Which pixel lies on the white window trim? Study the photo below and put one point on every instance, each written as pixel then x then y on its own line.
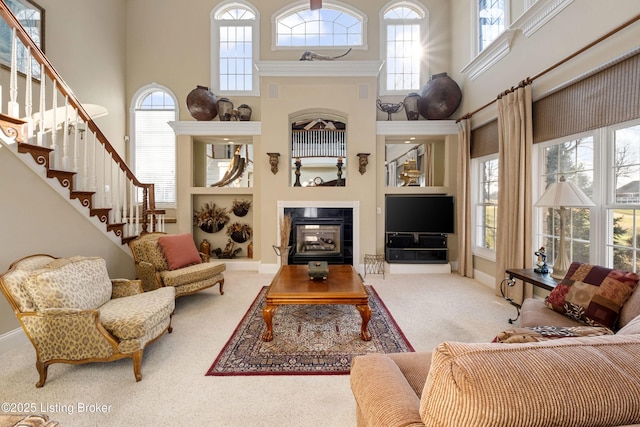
pixel 424 34
pixel 137 96
pixel 304 4
pixel 534 18
pixel 215 48
pixel 479 251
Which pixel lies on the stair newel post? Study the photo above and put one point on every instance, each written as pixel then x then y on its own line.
pixel 40 136
pixel 54 125
pixel 85 162
pixel 65 135
pixel 28 96
pixel 132 230
pixel 76 145
pixel 117 185
pixel 12 106
pixel 123 196
pixel 94 170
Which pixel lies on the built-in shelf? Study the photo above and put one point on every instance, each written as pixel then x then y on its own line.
pixel 199 128
pixel 416 127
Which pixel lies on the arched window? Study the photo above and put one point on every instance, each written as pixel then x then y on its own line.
pixel 234 48
pixel 153 148
pixel 405 32
pixel 334 25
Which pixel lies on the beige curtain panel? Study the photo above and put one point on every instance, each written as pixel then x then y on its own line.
pixel 463 204
pixel 514 228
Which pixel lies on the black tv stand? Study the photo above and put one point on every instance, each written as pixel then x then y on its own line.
pixel 416 248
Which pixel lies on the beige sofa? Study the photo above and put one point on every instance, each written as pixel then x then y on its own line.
pixel 582 381
pixel 73 313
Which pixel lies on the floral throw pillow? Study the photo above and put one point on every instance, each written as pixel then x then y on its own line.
pixel 592 294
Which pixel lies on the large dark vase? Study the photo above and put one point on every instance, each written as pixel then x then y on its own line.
pixel 202 104
pixel 440 97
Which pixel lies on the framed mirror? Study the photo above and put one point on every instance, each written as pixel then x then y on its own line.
pixel 223 161
pixel 415 162
pixel 318 152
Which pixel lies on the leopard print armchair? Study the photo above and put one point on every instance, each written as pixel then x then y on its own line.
pixel 74 313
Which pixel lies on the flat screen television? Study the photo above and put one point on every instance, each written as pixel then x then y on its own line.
pixel 413 213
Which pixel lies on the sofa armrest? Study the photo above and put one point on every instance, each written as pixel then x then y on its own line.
pixel 382 393
pixel 57 332
pixel 147 273
pixel 125 288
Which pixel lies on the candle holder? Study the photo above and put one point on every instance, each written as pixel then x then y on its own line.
pixel 298 164
pixel 339 182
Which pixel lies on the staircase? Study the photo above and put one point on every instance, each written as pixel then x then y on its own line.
pixel 62 141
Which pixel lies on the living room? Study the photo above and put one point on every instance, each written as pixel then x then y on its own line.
pixel 129 45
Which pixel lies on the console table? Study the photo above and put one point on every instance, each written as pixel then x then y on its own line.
pixel 527 275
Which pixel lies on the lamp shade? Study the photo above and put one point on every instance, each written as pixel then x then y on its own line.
pixel 565 194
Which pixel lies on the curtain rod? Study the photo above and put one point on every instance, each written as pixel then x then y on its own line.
pixel 529 80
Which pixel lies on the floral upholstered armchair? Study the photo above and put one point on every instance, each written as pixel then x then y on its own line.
pixel 73 313
pixel 172 260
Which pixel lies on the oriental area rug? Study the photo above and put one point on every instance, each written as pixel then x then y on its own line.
pixel 308 339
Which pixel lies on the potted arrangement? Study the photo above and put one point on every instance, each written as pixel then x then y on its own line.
pixel 211 218
pixel 239 233
pixel 240 207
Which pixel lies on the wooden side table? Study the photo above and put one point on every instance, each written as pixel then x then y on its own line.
pixel 527 275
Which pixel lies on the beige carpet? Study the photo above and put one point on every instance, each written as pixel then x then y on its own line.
pixel 174 390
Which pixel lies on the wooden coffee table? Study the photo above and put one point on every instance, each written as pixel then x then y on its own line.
pixel 292 285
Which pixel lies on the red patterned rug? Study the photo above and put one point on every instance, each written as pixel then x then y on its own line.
pixel 308 339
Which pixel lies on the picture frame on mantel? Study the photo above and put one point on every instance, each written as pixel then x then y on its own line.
pixel 31 16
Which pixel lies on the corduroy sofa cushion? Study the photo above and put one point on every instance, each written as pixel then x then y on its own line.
pixel 584 382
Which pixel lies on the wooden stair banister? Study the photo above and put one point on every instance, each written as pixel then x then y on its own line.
pixel 14 127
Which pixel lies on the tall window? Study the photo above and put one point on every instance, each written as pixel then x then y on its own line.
pixel 486 205
pixel 573 159
pixel 332 26
pixel 605 164
pixel 234 33
pixel 154 142
pixel 404 28
pixel 623 215
pixel 491 21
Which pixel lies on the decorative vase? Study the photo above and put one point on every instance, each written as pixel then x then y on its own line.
pixel 225 108
pixel 212 227
pixel 244 112
pixel 238 237
pixel 202 104
pixel 250 250
pixel 205 247
pixel 440 97
pixel 410 103
pixel 240 211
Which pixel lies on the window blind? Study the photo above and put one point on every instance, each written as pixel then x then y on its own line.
pixel 155 152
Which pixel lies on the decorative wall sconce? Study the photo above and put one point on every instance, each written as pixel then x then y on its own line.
pixel 363 161
pixel 274 158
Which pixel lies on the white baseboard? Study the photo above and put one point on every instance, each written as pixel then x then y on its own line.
pixel 12 339
pixel 418 268
pixel 485 279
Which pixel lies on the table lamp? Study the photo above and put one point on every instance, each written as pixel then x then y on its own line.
pixel 563 195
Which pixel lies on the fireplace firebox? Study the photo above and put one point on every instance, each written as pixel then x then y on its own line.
pixel 324 236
